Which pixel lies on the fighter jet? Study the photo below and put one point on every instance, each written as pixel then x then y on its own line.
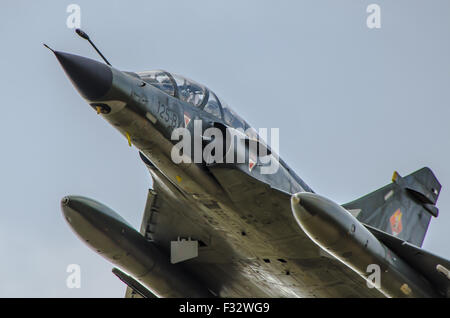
pixel 224 228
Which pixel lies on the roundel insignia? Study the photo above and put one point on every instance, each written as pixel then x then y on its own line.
pixel 251 164
pixel 187 119
pixel 396 222
pixel 252 159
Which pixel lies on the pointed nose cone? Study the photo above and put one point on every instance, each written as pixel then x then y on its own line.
pixel 92 79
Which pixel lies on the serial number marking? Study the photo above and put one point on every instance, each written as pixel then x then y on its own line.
pixel 167 115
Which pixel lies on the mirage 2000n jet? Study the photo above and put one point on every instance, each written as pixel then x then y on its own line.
pixel 221 229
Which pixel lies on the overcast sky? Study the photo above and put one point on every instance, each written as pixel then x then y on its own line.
pixel 353 104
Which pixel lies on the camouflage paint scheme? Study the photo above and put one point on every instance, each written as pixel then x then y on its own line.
pixel 250 244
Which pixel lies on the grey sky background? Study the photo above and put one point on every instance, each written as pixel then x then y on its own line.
pixel 352 105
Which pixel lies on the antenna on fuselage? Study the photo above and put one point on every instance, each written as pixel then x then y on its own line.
pixel 86 37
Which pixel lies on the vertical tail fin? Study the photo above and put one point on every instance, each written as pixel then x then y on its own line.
pixel 403 208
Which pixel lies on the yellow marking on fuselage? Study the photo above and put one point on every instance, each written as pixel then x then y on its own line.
pixel 129 139
pixel 394 176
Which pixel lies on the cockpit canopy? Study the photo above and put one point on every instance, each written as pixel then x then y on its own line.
pixel 160 79
pixel 193 93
